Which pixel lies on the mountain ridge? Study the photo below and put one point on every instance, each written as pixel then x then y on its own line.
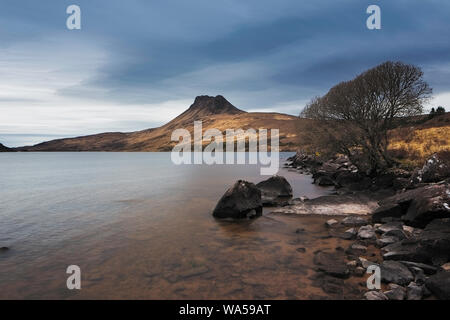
pixel 215 112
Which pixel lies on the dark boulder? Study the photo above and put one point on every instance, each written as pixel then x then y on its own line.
pixel 367 233
pixel 384 241
pixel 399 234
pixel 439 285
pixel 396 272
pixel 349 234
pixel 425 209
pixel 425 267
pixel 414 291
pixel 348 179
pixel 354 221
pixel 275 190
pixel 303 160
pixel 384 181
pixel 396 292
pixel 430 246
pixel 243 200
pixel 391 210
pixel 324 181
pixel 400 183
pixel 390 226
pixel 399 205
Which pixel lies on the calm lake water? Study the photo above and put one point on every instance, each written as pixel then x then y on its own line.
pixel 139 227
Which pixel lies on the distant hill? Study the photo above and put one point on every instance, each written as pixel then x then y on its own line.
pixel 5 149
pixel 215 112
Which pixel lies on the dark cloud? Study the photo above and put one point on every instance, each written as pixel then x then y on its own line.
pixel 162 50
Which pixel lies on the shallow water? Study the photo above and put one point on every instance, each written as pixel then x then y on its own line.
pixel 140 227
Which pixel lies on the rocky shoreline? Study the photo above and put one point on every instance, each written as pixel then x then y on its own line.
pixel 398 221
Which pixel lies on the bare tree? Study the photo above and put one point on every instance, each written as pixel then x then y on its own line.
pixel 354 117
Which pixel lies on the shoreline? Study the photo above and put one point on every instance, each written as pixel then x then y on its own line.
pixel 379 228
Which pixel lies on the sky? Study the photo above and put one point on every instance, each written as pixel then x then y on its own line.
pixel 137 64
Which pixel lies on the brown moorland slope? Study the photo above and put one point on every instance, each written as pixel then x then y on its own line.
pixel 215 112
pixel 4 149
pixel 412 141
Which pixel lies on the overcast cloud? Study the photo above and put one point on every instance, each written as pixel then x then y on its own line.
pixel 137 64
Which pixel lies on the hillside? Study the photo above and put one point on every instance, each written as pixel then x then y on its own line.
pixel 413 140
pixel 215 112
pixel 5 149
pixel 416 139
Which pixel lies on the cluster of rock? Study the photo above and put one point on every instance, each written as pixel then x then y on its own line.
pixel 341 173
pixel 414 264
pixel 303 162
pixel 246 200
pixel 411 229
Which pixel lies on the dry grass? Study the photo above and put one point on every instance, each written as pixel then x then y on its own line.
pixel 413 146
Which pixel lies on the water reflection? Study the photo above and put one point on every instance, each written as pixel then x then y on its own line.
pixel 140 227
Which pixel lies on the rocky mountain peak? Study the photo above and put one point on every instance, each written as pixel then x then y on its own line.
pixel 213 105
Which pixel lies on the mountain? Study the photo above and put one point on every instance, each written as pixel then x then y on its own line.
pixel 215 112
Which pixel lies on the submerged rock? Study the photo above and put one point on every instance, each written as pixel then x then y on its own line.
pixel 275 190
pixel 390 226
pixel 367 233
pixel 325 181
pixel 354 221
pixel 333 205
pixel 332 264
pixel 396 292
pixel 349 234
pixel 243 200
pixel 332 222
pixel 375 295
pixel 356 249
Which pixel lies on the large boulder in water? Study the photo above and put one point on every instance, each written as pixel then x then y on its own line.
pixel 242 200
pixel 275 190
